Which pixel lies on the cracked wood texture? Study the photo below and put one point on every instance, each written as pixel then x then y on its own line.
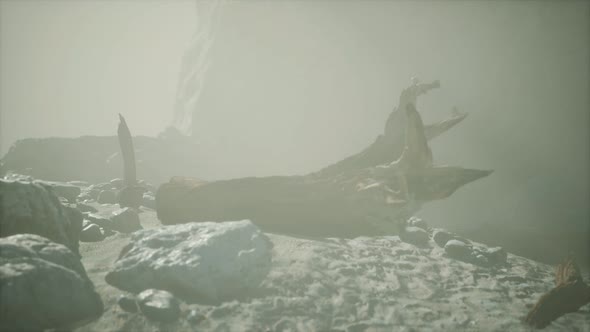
pixel 569 295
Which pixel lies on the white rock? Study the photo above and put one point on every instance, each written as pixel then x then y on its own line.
pixel 200 262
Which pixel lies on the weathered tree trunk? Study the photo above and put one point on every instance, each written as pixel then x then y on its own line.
pixel 308 206
pixel 347 199
pixel 385 150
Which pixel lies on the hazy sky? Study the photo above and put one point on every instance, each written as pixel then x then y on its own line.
pixel 68 67
pixel 295 85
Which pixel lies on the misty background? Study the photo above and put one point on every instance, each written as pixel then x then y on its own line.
pixel 296 85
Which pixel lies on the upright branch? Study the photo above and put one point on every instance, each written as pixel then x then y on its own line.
pixel 389 146
pixel 127 152
pixel 395 124
pixel 132 194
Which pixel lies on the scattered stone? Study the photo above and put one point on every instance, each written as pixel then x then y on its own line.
pixel 127 303
pixel 131 197
pixel 65 190
pixel 43 285
pixel 149 187
pixel 462 239
pixel 86 223
pixel 458 250
pixel 195 317
pixel 107 197
pixel 198 262
pixel 86 208
pixel 11 176
pixel 481 260
pixel 99 220
pixel 117 183
pixel 441 237
pixel 90 193
pixel 416 236
pixel 497 256
pixel 92 233
pixel 159 305
pixel 104 186
pixel 417 222
pixel 79 183
pixel 149 201
pixel 29 207
pixel 125 220
pixel 86 197
pixel 107 231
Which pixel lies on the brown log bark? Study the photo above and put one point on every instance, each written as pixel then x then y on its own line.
pixel 569 295
pixel 348 201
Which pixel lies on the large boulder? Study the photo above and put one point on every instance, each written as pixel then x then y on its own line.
pixel 125 220
pixel 43 285
pixel 198 262
pixel 68 190
pixel 459 250
pixel 415 235
pixel 107 197
pixel 130 196
pixel 61 189
pixel 29 207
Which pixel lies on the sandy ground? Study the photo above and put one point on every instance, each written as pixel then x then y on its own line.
pixel 362 284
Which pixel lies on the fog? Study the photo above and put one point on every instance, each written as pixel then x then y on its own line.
pixel 296 85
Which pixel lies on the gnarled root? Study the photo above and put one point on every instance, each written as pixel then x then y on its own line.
pixel 569 295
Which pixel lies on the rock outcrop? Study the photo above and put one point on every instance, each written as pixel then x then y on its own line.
pixel 43 285
pixel 198 262
pixel 30 207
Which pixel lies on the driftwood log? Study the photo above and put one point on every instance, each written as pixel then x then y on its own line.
pixel 569 295
pixel 361 195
